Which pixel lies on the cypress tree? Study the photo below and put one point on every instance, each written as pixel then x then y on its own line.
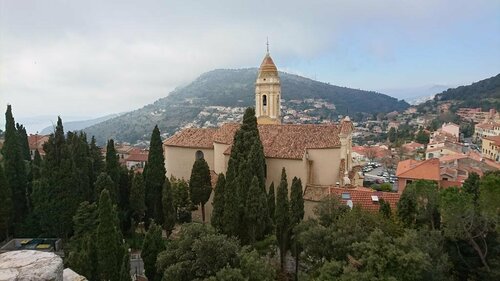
pixel 23 141
pixel 296 203
pixel 125 268
pixel 218 204
pixel 109 250
pixel 15 169
pixel 231 215
pixel 103 182
pixel 282 216
pixel 124 186
pixel 200 185
pixel 385 209
pixel 296 216
pixel 96 160
pixel 255 203
pixel 137 198
pixel 168 208
pixel 152 246
pixel 271 202
pixel 154 175
pixel 5 206
pixel 112 162
pixel 36 169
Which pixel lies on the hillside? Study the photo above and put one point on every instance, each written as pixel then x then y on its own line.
pixel 234 88
pixel 484 94
pixel 79 125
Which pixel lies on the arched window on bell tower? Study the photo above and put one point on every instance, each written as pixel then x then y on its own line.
pixel 264 104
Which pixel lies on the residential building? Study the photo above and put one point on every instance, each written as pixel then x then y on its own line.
pixel 36 142
pixel 489 129
pixel 491 148
pixel 411 170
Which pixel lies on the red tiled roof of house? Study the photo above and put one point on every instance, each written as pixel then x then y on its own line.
pixel 361 196
pixel 425 170
pixel 193 137
pixel 413 146
pixel 495 139
pixel 489 126
pixel 138 157
pixel 37 141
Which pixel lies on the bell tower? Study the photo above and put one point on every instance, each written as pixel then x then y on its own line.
pixel 268 92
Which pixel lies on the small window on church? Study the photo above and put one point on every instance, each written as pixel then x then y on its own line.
pixel 199 155
pixel 264 100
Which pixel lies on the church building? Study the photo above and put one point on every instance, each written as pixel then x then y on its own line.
pixel 318 154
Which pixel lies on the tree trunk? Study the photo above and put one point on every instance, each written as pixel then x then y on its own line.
pixel 203 213
pixel 479 252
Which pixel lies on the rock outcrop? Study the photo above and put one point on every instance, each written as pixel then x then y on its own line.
pixel 30 265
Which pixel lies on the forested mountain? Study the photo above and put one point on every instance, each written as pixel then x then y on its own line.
pixel 79 125
pixel 229 87
pixel 484 94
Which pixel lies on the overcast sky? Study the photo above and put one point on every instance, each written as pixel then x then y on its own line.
pixel 91 58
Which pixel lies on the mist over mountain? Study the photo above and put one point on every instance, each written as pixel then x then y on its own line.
pixel 233 87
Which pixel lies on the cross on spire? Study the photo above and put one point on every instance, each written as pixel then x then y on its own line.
pixel 267 44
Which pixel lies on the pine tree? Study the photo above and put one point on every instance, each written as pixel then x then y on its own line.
pixel 96 160
pixel 200 184
pixel 282 217
pixel 125 268
pixel 137 198
pixel 218 204
pixel 109 250
pixel 271 202
pixel 296 202
pixel 168 208
pixel 153 245
pixel 15 169
pixel 5 206
pixel 154 175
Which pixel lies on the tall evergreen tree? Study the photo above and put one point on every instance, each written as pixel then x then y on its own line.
pixel 124 186
pixel 271 202
pixel 255 203
pixel 137 198
pixel 104 181
pixel 231 215
pixel 36 167
pixel 200 184
pixel 112 162
pixel 5 206
pixel 385 209
pixel 154 175
pixel 23 141
pixel 125 268
pixel 168 208
pixel 109 250
pixel 152 246
pixel 282 217
pixel 296 202
pixel 96 160
pixel 218 203
pixel 15 169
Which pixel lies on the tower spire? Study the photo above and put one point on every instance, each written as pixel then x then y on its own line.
pixel 267 44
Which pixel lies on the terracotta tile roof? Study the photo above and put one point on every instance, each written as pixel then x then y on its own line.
pixel 193 137
pixel 412 169
pixel 361 196
pixel 37 141
pixel 225 134
pixel 290 141
pixel 138 157
pixel 413 146
pixel 489 126
pixel 452 157
pixel 495 139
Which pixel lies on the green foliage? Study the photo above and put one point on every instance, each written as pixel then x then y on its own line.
pixel 200 184
pixel 419 205
pixel 254 267
pixel 5 206
pixel 153 245
pixel 392 135
pixel 15 169
pixel 154 176
pixel 181 201
pixel 108 240
pixel 104 181
pixel 296 202
pixel 96 160
pixel 271 202
pixel 218 204
pixel 125 268
pixel 168 208
pixel 254 205
pixel 23 142
pixel 137 198
pixel 36 166
pixel 282 217
pixel 385 209
pixel 228 274
pixel 422 137
pixel 112 166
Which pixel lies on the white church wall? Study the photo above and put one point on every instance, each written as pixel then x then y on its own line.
pixel 179 160
pixel 325 166
pixel 294 168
